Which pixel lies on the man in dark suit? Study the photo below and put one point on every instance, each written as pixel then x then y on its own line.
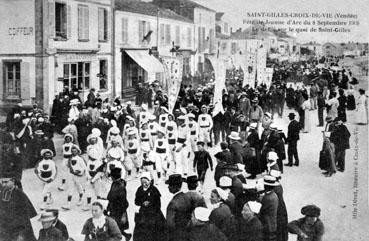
pixel 197 200
pixel 235 147
pixel 292 138
pixel 178 210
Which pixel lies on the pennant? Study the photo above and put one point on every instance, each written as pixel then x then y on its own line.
pixel 220 76
pixel 173 70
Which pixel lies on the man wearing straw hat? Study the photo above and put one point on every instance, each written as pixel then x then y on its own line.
pixel 235 147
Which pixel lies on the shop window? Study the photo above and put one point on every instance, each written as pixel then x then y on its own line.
pixel 103 24
pixel 61 20
pixel 77 75
pixel 12 79
pixel 83 26
pixel 103 74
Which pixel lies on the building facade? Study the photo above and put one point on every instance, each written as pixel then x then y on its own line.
pixel 145 33
pixel 52 44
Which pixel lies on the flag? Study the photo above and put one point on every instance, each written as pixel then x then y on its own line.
pixel 173 70
pixel 220 76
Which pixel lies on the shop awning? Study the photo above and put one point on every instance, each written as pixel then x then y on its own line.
pixel 146 61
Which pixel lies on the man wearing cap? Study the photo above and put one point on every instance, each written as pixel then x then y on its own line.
pixel 200 229
pixel 205 125
pixel 16 210
pixel 182 148
pixel 269 209
pixel 293 136
pixel 49 232
pixel 197 200
pixel 178 210
pixel 310 227
pixel 202 162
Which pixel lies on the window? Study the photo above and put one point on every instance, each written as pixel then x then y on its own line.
pixel 189 37
pixel 103 24
pixel 178 36
pixel 167 34
pixel 224 46
pixel 143 30
pixel 199 17
pixel 61 20
pixel 77 75
pixel 12 78
pixel 211 41
pixel 103 74
pixel 225 28
pixel 83 31
pixel 124 30
pixel 162 34
pixel 199 41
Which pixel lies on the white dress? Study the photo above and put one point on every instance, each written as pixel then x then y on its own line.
pixel 306 106
pixel 362 110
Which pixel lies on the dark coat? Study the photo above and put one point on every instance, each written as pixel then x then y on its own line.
pixel 50 234
pixel 15 215
pixel 236 150
pixel 293 131
pixel 315 233
pixel 110 231
pixel 197 200
pixel 251 230
pixel 61 226
pixel 205 232
pixel 282 216
pixel 340 137
pixel 268 213
pixel 223 219
pixel 118 204
pixel 150 221
pixel 178 216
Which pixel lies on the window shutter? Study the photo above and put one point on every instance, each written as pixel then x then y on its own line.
pixel 108 25
pixel 124 30
pixel 80 22
pixel 140 31
pixel 101 23
pixel 69 21
pixel 2 87
pixel 25 80
pixel 86 23
pixel 51 6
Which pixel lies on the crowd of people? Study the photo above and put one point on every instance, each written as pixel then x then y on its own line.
pixel 108 143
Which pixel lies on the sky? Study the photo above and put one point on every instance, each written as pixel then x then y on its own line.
pixel 236 11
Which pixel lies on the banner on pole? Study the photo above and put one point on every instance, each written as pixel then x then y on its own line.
pixel 173 70
pixel 220 76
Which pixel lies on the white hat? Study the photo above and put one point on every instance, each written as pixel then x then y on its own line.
pixel 164 109
pixel 202 214
pixel 222 193
pixel 273 127
pixel 234 136
pixel 74 102
pixel 270 181
pixel 131 132
pixel 96 132
pixel 240 166
pixel 143 106
pixel 190 115
pixel 254 206
pixel 272 156
pixel 327 133
pixel 129 102
pixel 253 125
pixel 47 216
pixel 152 117
pixel 90 136
pixel 225 181
pixel 44 151
pixel 181 117
pixel 40 119
pixel 146 175
pixel 268 114
pixel 26 121
pixel 113 123
pixel 114 130
pixel 16 115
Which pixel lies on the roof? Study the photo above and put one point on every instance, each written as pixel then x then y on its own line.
pixel 311 43
pixel 249 34
pixel 218 16
pixel 148 9
pixel 192 4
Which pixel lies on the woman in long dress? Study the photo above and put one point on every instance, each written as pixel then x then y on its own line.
pixel 332 103
pixel 362 108
pixel 306 106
